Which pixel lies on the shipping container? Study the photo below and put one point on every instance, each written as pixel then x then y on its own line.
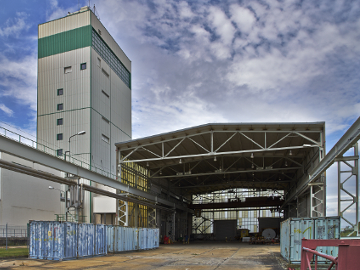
pixel 51 240
pixel 127 239
pixel 295 229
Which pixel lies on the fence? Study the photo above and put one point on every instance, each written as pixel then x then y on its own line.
pixel 13 231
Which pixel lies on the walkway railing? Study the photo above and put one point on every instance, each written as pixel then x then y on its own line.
pixel 348 255
pixel 42 147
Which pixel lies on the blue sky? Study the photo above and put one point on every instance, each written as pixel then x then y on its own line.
pixel 197 62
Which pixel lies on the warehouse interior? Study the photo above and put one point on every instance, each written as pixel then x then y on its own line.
pixel 224 177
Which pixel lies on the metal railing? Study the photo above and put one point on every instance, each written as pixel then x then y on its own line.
pixel 348 253
pixel 53 152
pixel 13 231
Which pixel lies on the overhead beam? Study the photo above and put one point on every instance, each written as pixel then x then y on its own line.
pixel 26 152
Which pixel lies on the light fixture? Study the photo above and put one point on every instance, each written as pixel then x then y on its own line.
pixel 252 166
pixel 214 158
pixel 51 187
pixel 81 132
pixel 160 172
pixel 286 164
pixel 147 164
pixel 252 155
pixel 180 161
pixel 290 153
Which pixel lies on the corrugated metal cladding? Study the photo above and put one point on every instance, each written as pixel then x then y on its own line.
pixel 127 239
pixel 65 41
pixel 67 23
pixel 294 229
pixel 97 25
pixel 51 240
pixel 75 84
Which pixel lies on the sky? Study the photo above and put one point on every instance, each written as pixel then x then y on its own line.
pixel 198 62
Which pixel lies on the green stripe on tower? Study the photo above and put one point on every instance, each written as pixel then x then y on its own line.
pixel 65 41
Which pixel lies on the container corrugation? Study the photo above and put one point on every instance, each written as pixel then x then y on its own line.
pixel 127 239
pixel 295 229
pixel 51 240
pixel 327 228
pixel 86 240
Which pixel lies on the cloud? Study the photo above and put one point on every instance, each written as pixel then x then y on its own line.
pixel 54 11
pixel 15 26
pixel 18 79
pixel 6 110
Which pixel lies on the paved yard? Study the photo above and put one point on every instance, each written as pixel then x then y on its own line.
pixel 201 255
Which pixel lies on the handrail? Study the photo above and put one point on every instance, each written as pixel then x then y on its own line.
pixel 334 260
pixel 48 150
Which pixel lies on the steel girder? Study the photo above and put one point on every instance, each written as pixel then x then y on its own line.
pixel 24 151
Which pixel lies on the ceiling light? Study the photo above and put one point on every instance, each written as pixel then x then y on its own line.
pixel 252 155
pixel 180 161
pixel 252 166
pixel 214 158
pixel 147 164
pixel 286 164
pixel 290 153
pixel 160 172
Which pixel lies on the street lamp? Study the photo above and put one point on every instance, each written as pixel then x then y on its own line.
pixel 62 198
pixel 79 133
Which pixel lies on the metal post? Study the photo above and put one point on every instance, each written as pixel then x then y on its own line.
pixel 6 236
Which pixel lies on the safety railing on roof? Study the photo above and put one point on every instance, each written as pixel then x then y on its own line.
pixel 53 152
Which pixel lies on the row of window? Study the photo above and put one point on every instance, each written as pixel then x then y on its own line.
pixel 109 57
pixel 69 68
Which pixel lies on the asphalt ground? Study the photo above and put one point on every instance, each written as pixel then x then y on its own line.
pixel 196 255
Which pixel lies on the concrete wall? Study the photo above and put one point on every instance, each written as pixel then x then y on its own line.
pixel 25 197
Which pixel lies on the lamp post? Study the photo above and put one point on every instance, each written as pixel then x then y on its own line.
pixel 79 133
pixel 62 198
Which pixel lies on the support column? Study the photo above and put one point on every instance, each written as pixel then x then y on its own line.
pixel 317 198
pixel 123 216
pixel 345 194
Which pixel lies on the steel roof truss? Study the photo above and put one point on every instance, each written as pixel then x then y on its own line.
pixel 251 140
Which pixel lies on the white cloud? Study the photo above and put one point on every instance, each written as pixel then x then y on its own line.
pixel 243 18
pixel 18 78
pixel 15 26
pixel 6 110
pixel 222 25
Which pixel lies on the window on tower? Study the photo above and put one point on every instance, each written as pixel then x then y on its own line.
pixel 59 137
pixel 67 69
pixel 60 92
pixel 60 121
pixel 60 106
pixel 82 66
pixel 59 152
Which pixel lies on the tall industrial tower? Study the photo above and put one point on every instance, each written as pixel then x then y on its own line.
pixel 84 84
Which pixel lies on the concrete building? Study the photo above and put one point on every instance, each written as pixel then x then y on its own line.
pixel 84 84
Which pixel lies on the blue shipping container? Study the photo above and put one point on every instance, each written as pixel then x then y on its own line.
pixel 294 229
pixel 51 240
